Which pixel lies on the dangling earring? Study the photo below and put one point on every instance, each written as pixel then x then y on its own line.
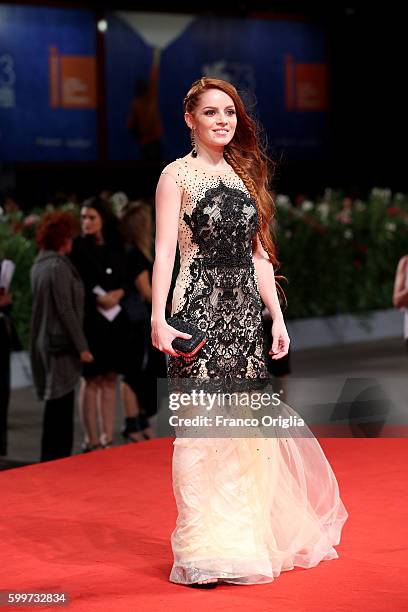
pixel 193 143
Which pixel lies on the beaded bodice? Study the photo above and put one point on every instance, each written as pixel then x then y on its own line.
pixel 218 217
pixel 216 287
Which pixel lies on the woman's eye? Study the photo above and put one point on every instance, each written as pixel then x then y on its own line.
pixel 211 113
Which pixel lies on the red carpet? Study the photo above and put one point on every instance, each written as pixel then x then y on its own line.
pixel 98 527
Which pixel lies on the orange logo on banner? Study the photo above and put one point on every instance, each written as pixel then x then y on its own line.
pixel 72 80
pixel 305 86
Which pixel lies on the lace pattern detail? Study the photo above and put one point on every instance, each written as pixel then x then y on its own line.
pixel 222 225
pixel 221 295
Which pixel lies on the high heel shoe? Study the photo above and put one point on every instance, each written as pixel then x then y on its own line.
pixel 204 585
pixel 87 448
pixel 144 426
pixel 132 426
pixel 107 444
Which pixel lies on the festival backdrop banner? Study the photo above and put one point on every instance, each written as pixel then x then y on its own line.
pixel 280 68
pixel 48 92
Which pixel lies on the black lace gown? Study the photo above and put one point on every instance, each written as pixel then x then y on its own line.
pixel 248 507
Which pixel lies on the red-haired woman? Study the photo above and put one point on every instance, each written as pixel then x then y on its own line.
pixel 248 507
pixel 58 345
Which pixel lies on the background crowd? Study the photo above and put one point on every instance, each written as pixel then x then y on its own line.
pixel 90 323
pixel 81 295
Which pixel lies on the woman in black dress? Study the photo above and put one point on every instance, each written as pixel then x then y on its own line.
pixel 145 363
pixel 257 504
pixel 101 261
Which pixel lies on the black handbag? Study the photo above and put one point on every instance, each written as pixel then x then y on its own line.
pixel 187 347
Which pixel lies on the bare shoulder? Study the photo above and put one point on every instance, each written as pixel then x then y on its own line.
pixel 176 166
pixel 403 262
pixel 184 158
pixel 175 170
pixel 171 167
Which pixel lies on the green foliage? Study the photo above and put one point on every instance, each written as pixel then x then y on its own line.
pixel 17 242
pixel 21 251
pixel 341 256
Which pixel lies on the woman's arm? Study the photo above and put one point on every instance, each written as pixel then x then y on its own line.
pixel 266 280
pixel 267 289
pixel 139 270
pixel 168 203
pixel 142 282
pixel 400 293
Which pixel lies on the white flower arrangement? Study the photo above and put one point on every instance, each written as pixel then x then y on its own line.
pixel 382 194
pixel 119 201
pixel 359 205
pixel 307 206
pixel 283 201
pixel 323 209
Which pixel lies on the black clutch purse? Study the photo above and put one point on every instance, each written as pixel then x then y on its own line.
pixel 187 347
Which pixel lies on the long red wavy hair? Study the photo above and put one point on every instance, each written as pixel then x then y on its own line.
pixel 249 160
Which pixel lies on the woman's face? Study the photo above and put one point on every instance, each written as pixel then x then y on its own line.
pixel 91 221
pixel 214 118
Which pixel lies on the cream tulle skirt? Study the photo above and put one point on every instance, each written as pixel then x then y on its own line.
pixel 250 508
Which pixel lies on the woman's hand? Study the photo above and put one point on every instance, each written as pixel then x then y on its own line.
pixel 109 299
pixel 280 337
pixel 163 335
pixel 86 357
pixel 117 294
